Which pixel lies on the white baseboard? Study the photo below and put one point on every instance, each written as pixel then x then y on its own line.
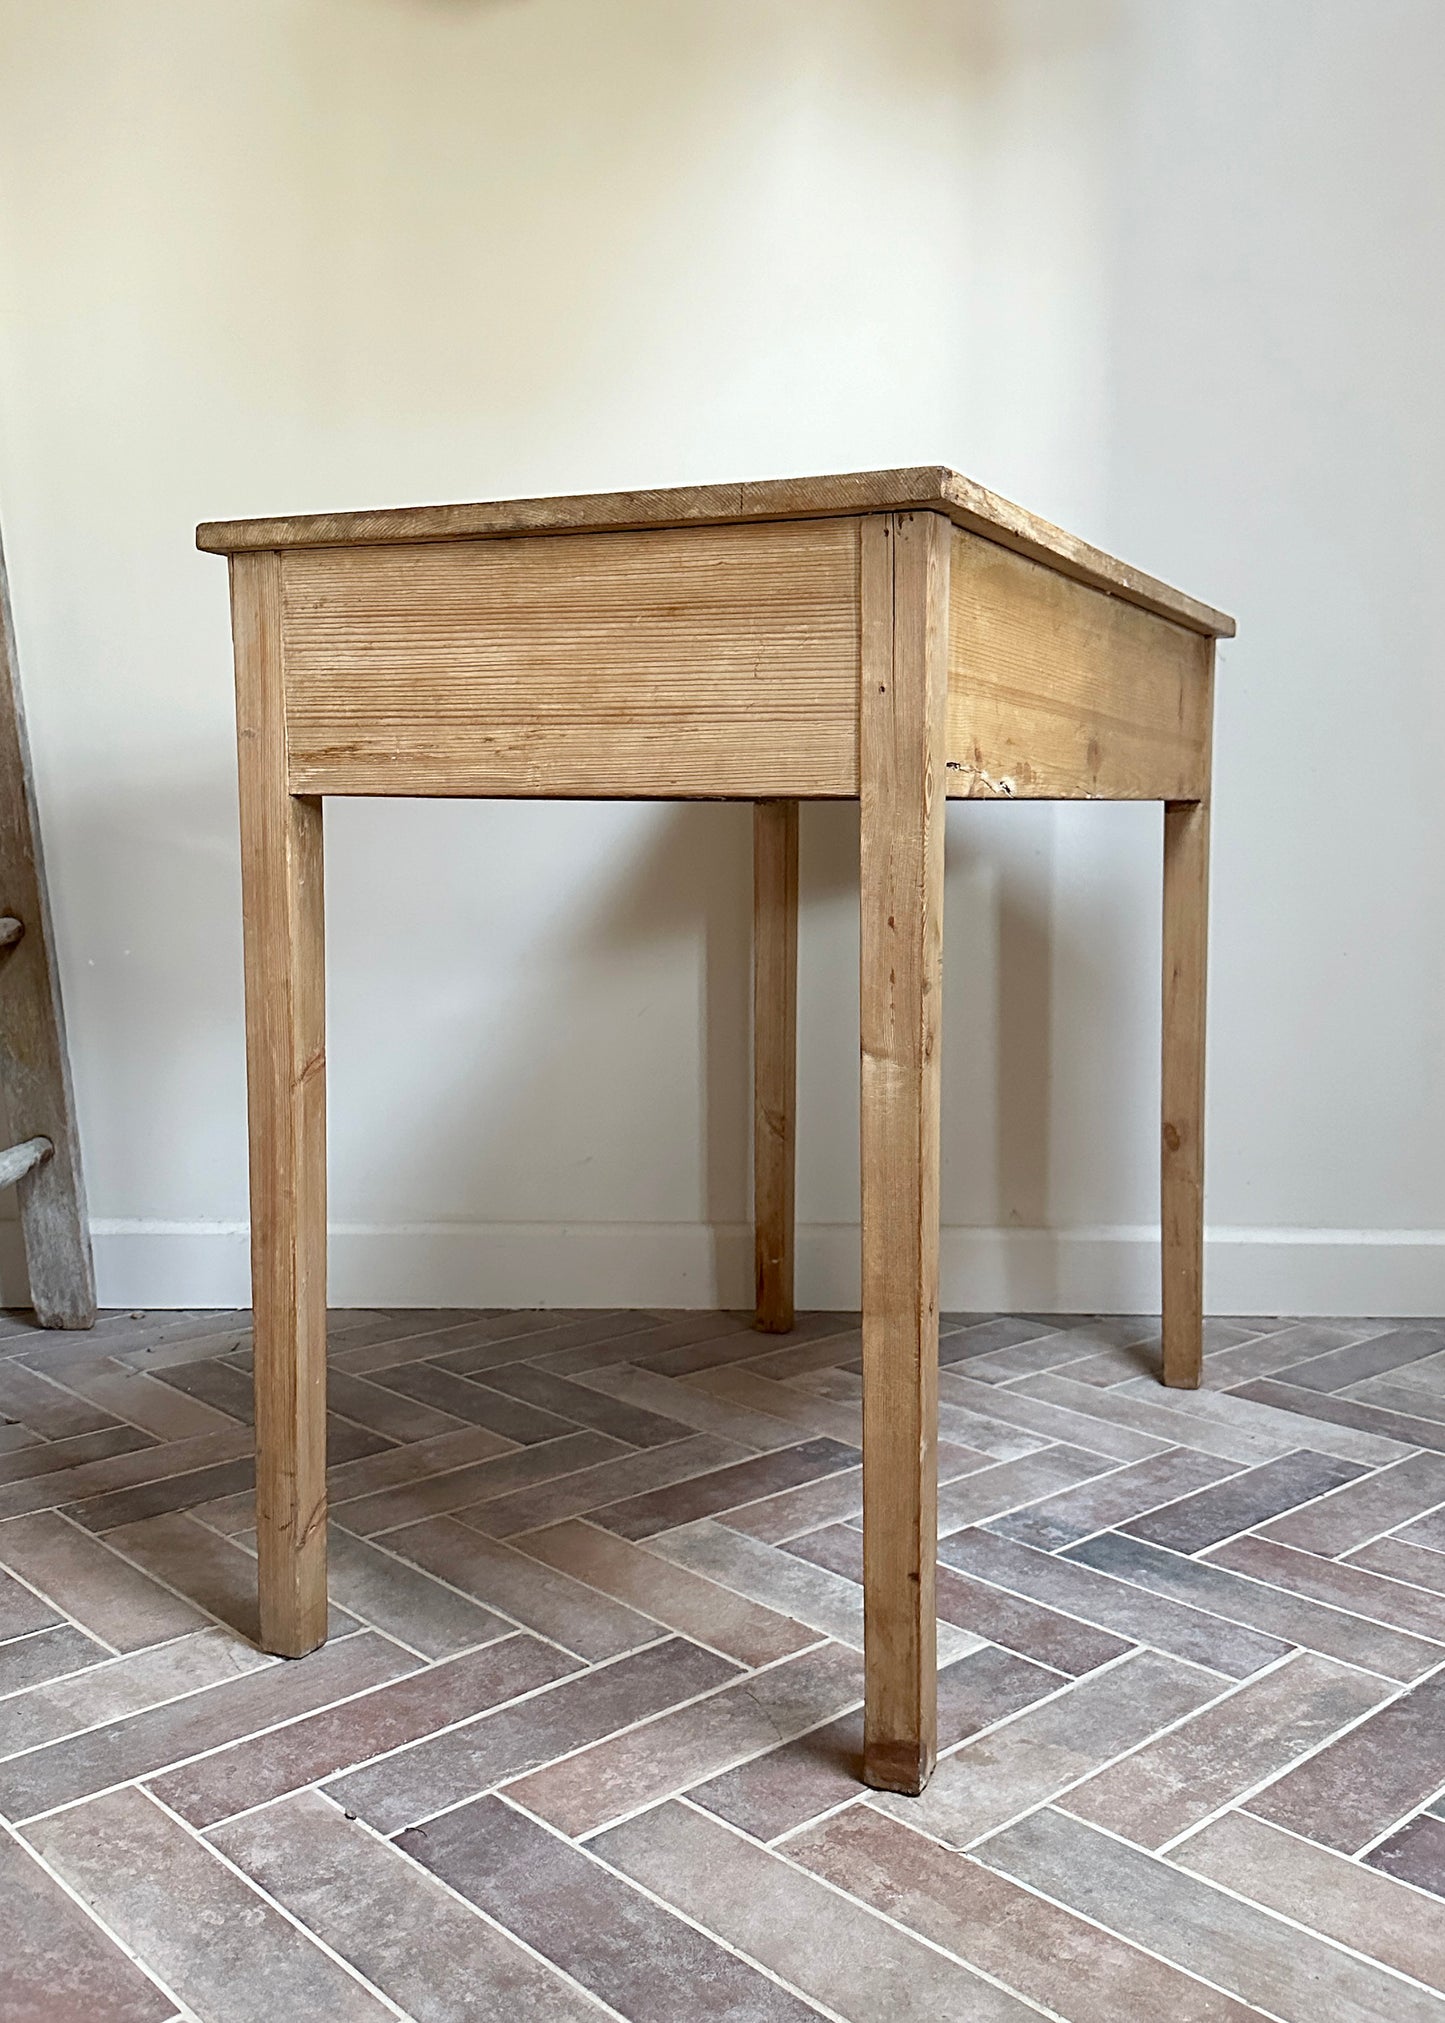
pixel 1248 1271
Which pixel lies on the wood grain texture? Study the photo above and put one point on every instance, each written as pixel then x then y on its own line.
pixel 281 878
pixel 712 662
pixel 775 1057
pixel 929 487
pixel 903 706
pixel 34 1061
pixel 1186 947
pixel 1057 692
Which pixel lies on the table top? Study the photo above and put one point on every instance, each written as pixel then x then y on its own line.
pixel 923 488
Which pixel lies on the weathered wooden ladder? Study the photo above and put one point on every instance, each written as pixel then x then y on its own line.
pixel 34 1066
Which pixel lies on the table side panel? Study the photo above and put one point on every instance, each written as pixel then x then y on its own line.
pixel 716 661
pixel 1060 692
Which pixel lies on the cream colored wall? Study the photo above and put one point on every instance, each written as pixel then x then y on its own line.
pixel 1172 275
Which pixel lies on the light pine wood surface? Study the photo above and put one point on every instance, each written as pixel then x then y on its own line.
pixel 281 887
pixel 1059 692
pixel 903 729
pixel 1186 948
pixel 775 1057
pixel 894 637
pixel 919 488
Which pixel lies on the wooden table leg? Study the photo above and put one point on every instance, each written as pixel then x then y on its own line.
pixel 281 872
pixel 904 693
pixel 775 1056
pixel 1186 935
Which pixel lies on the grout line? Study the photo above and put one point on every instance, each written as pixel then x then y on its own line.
pixel 24 1580
pixel 855 1904
pixel 1226 1890
pixel 1270 1587
pixel 1121 1755
pixel 313 1938
pixel 1204 1558
pixel 93 1917
pixel 1389 1530
pixel 495 1786
pixel 476 1910
pixel 1420 1805
pixel 183 1762
pixel 673 1910
pixel 166 1700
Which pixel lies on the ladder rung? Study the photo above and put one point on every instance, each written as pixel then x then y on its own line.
pixel 20 1159
pixel 10 930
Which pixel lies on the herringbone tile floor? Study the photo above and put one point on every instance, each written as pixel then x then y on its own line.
pixel 584 1741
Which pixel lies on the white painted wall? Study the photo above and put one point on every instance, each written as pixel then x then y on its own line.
pixel 1172 274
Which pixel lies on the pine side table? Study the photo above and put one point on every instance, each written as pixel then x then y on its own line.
pixel 890 637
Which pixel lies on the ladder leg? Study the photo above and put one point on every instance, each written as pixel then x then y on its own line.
pixel 34 1063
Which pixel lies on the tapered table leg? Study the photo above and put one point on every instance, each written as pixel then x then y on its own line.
pixel 775 1056
pixel 1186 933
pixel 281 872
pixel 904 690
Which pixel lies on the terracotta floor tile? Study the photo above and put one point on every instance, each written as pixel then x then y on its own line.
pixel 580 1491
pixel 724 1488
pixel 1248 1596
pixel 1351 1586
pixel 94 1585
pixel 369 1725
pixel 1241 1949
pixel 1398 1560
pixel 1242 1501
pixel 1400 1427
pixel 1321 1890
pixel 684 1601
pixel 391 1413
pixel 1017 1625
pixel 443 1771
pixel 1351 1365
pixel 394 1596
pixel 1116 1605
pixel 1047 1748
pixel 48 1409
pixel 795 1781
pixel 60 1459
pixel 21 1611
pixel 122 1686
pixel 673 1516
pixel 1099 1500
pixel 832 1949
pixel 1416 1854
pixel 433 1956
pixel 1011 1485
pixel 1361 1510
pixel 828 1602
pixel 806 1410
pixel 59 1966
pixel 676 1399
pixel 1063 1962
pixel 431 1495
pixel 215 1574
pixel 1220 1754
pixel 141 1744
pixel 44 1655
pixel 580 1914
pixel 1028 1412
pixel 580 1405
pixel 223 1948
pixel 623 1772
pixel 1370 1777
pixel 570 1612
